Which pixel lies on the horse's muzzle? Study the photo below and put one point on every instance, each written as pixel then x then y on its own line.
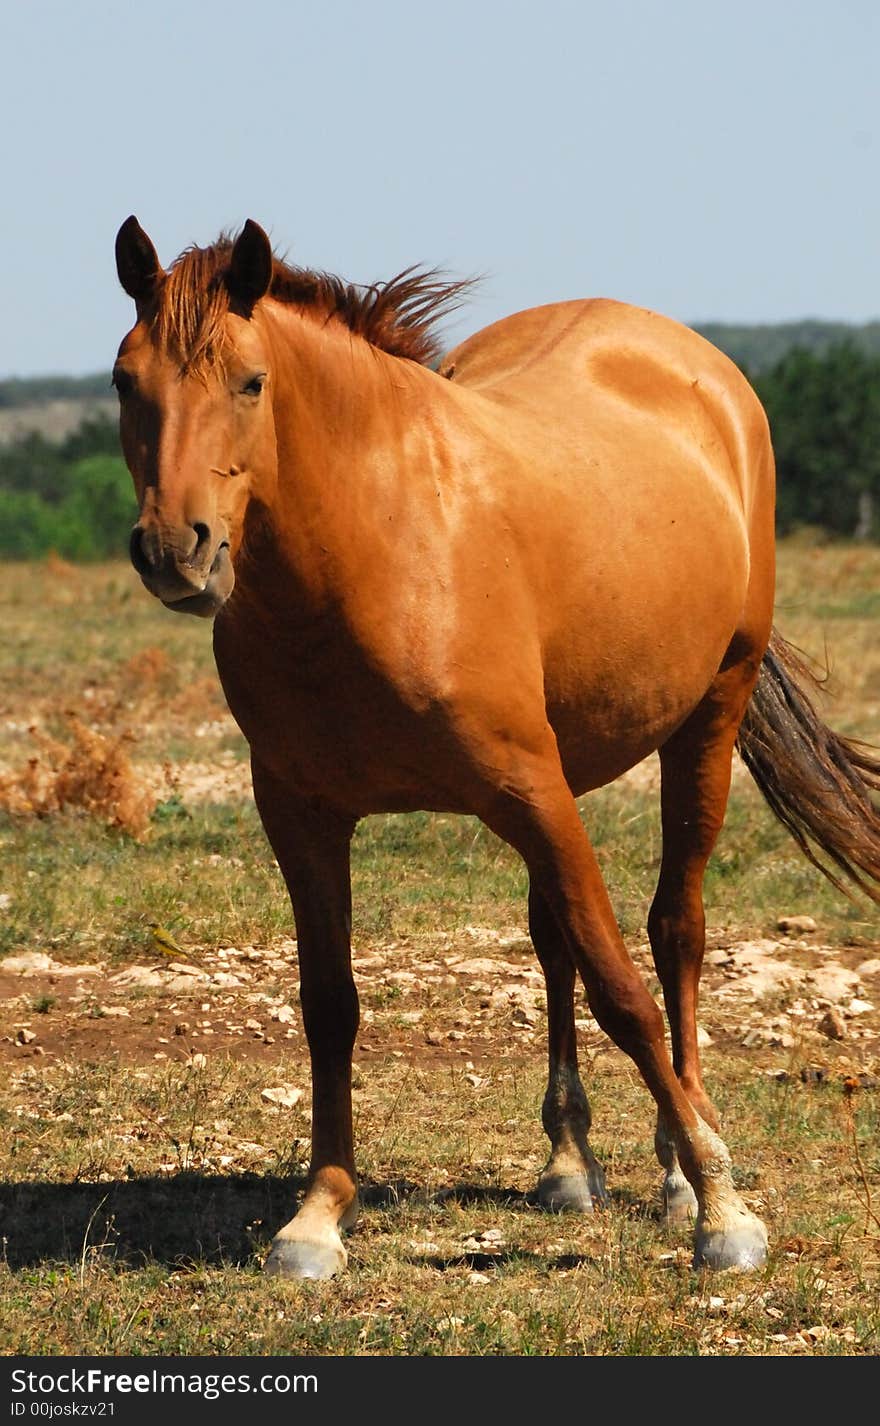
pixel 188 584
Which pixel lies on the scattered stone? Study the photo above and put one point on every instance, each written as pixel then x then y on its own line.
pixel 285 1014
pixel 859 1007
pixel 25 1037
pixel 871 967
pixel 719 957
pixel 525 1015
pixel 286 1096
pixel 455 1035
pixel 433 1037
pixel 38 963
pixel 118 1012
pixel 141 977
pixel 198 1061
pixel 252 1024
pixel 181 1027
pixel 814 1074
pixel 28 963
pixel 704 1039
pixel 478 1279
pixel 5 901
pixel 832 982
pixel 796 925
pixel 484 965
pixel 832 1024
pixel 475 1080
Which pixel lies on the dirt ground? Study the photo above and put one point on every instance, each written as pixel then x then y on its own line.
pixel 478 995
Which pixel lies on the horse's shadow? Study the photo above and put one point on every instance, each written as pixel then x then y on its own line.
pixel 192 1218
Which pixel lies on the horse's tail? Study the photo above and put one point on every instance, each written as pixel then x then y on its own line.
pixel 818 784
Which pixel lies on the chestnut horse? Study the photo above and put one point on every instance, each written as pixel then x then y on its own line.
pixel 484 589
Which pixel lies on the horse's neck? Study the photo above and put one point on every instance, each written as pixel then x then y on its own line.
pixel 356 437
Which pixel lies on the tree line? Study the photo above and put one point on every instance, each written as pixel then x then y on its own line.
pixel 75 496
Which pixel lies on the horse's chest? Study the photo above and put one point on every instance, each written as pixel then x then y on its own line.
pixel 331 725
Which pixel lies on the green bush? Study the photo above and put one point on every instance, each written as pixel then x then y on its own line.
pixel 91 520
pixel 27 526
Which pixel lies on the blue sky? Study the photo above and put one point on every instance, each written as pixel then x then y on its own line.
pixel 709 160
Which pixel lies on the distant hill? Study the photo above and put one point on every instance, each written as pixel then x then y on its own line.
pixel 758 348
pixel 54 406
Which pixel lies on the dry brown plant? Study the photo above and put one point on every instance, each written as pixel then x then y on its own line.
pixel 89 773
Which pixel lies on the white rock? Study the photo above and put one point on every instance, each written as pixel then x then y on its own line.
pixel 859 1007
pixel 38 963
pixel 871 967
pixel 797 925
pixel 832 982
pixel 286 1096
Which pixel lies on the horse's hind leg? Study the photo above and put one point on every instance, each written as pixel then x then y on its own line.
pixel 573 1177
pixel 695 768
pixel 530 805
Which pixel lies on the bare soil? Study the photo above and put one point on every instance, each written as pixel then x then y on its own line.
pixel 478 995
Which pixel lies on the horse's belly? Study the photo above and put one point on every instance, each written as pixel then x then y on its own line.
pixel 612 702
pixel 599 740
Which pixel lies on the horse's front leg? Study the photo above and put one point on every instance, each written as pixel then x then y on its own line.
pixel 312 845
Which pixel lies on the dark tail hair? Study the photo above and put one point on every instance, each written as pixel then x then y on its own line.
pixel 818 784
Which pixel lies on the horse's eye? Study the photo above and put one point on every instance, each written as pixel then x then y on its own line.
pixel 123 382
pixel 255 385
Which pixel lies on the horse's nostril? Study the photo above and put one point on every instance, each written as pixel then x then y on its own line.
pixel 138 552
pixel 203 535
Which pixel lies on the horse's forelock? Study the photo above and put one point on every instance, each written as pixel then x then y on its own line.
pixel 192 304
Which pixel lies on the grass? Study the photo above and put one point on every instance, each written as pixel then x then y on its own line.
pixel 105 1256
pixel 140 1193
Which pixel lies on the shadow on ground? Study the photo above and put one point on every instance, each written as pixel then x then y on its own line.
pixel 196 1217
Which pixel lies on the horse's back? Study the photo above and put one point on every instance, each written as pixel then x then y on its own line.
pixel 642 486
pixel 623 349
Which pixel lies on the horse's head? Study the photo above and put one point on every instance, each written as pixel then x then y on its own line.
pixel 195 416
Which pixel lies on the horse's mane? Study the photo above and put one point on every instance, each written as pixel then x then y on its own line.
pixel 399 316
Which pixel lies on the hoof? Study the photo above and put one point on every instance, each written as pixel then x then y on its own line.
pixel 743 1246
pixel 289 1257
pixel 679 1202
pixel 573 1192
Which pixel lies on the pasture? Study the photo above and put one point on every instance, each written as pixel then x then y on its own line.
pixel 154 1135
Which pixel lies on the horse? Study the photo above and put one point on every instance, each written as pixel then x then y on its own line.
pixel 486 584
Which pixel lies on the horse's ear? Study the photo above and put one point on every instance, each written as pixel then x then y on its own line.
pixel 250 266
pixel 136 261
